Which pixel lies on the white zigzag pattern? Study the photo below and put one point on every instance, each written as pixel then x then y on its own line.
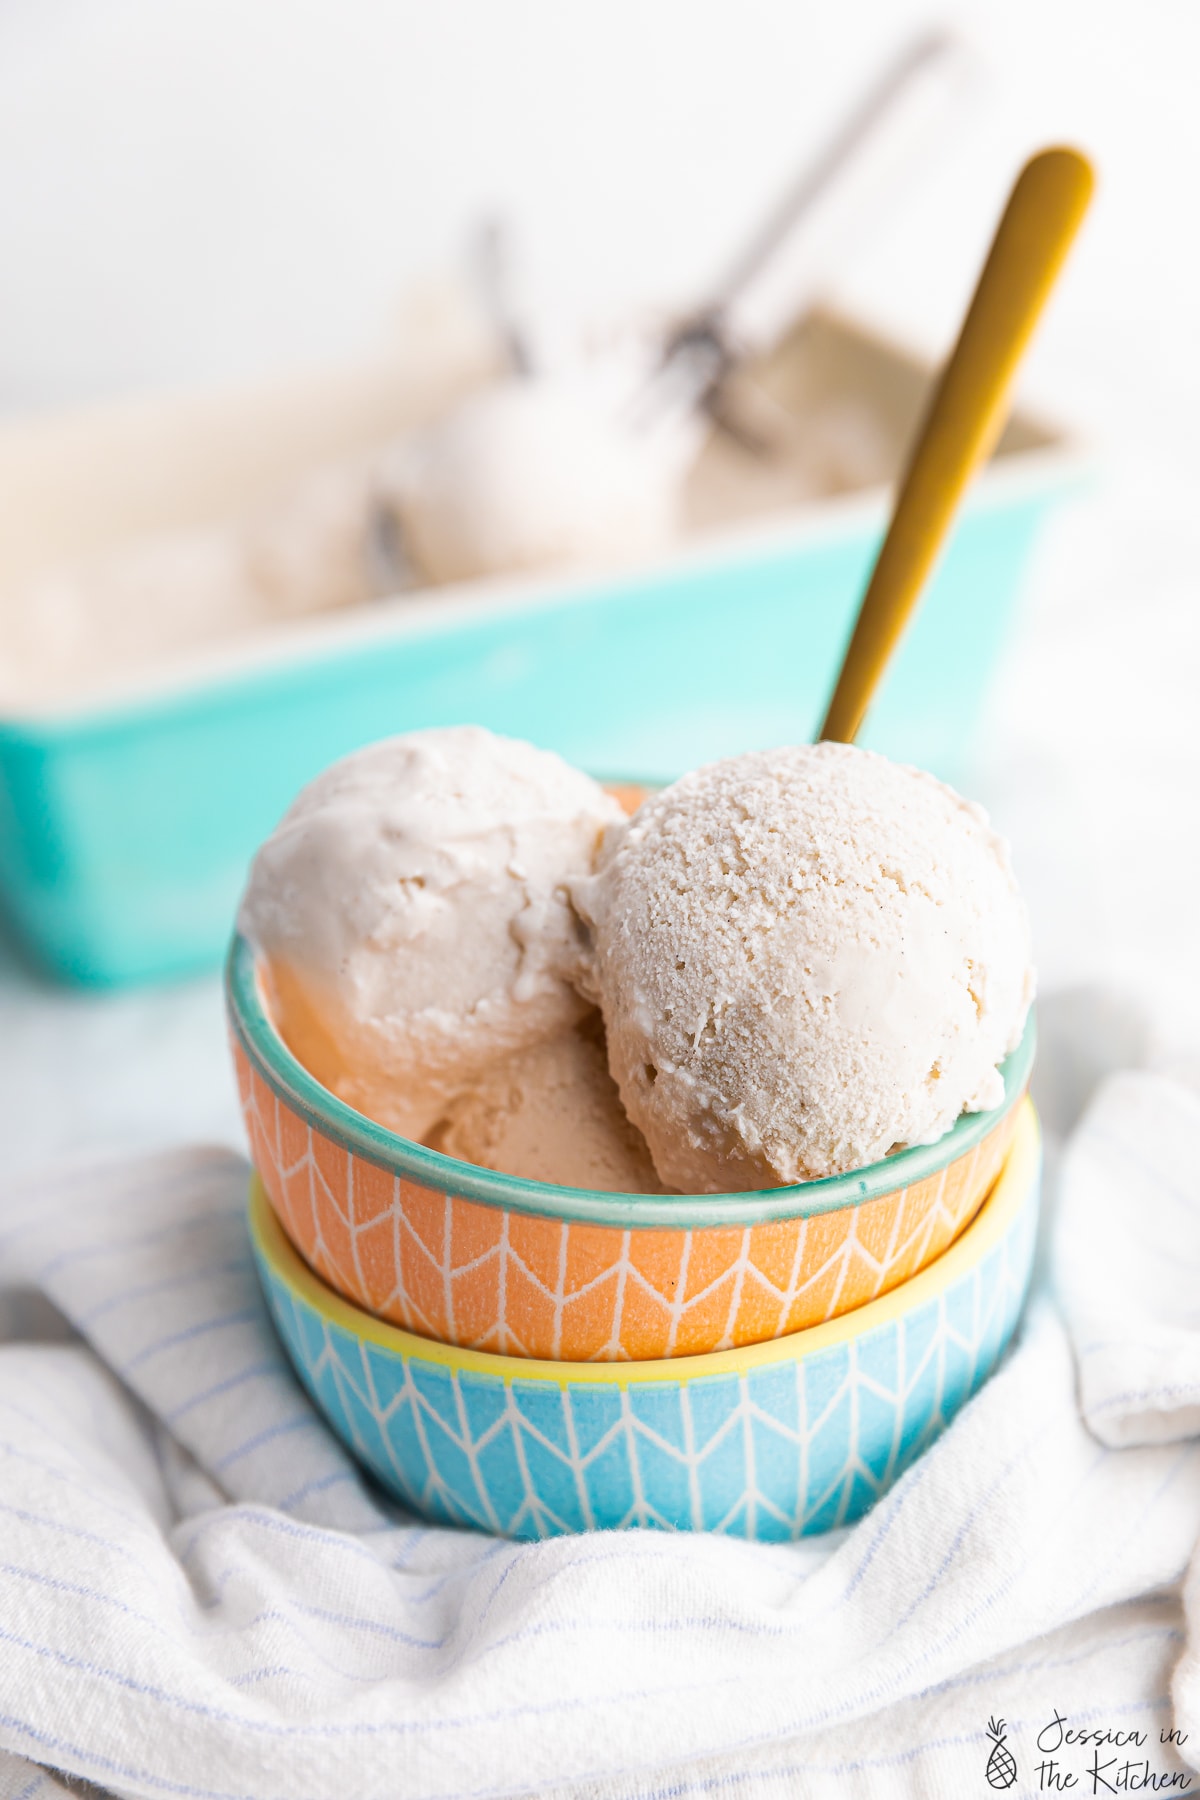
pixel 938 1222
pixel 922 1399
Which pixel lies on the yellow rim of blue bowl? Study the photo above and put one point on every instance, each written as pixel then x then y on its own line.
pixel 1012 1192
pixel 324 1113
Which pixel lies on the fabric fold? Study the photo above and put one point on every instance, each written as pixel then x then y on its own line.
pixel 201 1595
pixel 1127 1260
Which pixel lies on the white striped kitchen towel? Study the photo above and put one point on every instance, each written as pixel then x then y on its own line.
pixel 200 1598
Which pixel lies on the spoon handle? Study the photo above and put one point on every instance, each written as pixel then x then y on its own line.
pixel 965 416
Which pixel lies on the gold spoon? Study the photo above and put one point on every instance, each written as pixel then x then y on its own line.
pixel 965 416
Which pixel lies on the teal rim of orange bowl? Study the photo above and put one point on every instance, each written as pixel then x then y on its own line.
pixel 771 1440
pixel 351 1131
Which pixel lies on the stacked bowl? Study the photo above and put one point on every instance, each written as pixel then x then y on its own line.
pixel 534 1360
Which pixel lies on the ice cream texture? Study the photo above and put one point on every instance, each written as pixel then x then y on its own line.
pixel 551 1113
pixel 411 919
pixel 805 958
pixel 534 474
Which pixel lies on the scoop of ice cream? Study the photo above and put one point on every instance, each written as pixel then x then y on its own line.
pixel 805 958
pixel 550 1113
pixel 537 474
pixel 411 916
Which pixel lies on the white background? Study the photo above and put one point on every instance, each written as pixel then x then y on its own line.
pixel 201 190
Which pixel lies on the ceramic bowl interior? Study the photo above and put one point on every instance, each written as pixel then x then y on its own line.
pixel 770 1441
pixel 497 1263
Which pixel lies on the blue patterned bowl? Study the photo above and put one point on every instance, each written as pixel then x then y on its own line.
pixel 770 1441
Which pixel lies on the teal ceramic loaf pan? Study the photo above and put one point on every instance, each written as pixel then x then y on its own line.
pixel 126 824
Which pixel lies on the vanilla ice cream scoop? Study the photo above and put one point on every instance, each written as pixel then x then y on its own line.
pixel 805 958
pixel 410 915
pixel 538 473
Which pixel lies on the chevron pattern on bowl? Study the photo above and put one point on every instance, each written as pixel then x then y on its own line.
pixel 772 1441
pixel 520 1268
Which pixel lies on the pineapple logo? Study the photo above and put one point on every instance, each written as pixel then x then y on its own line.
pixel 1002 1764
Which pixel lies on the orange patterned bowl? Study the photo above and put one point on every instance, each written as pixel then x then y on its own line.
pixel 497 1263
